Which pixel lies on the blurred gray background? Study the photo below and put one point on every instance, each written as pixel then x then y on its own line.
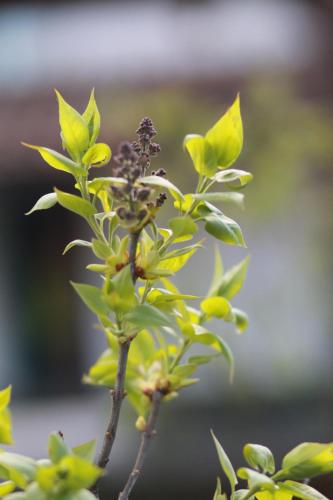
pixel 182 63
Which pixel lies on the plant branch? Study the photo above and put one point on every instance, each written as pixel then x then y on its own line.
pixel 118 393
pixel 146 438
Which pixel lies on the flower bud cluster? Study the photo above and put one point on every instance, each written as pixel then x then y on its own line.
pixel 136 203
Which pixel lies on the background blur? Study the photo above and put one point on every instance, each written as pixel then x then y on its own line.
pixel 182 63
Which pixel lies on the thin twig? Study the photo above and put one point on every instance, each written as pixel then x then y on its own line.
pixel 118 393
pixel 147 435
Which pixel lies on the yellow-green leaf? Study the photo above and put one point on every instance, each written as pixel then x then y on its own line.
pixel 6 487
pixel 5 395
pixel 278 494
pixel 86 450
pixel 226 136
pixel 174 264
pixel 308 460
pixel 74 129
pixel 232 281
pixel 75 204
pixel 259 457
pixel 57 448
pixel 241 319
pixel 57 160
pixel 235 198
pixel 202 154
pixel 18 468
pixel 300 490
pixel 5 420
pixel 256 480
pixel 225 229
pixel 92 118
pixel 97 155
pixel 218 307
pixel 146 316
pixel 92 297
pixel 182 226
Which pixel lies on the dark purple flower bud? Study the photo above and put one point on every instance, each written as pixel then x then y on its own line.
pixel 135 173
pixel 146 129
pixel 154 149
pixel 142 214
pixel 160 172
pixel 136 147
pixel 126 154
pixel 129 215
pixel 117 192
pixel 143 193
pixel 161 199
pixel 121 212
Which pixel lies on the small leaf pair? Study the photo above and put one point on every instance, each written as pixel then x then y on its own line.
pixel 78 133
